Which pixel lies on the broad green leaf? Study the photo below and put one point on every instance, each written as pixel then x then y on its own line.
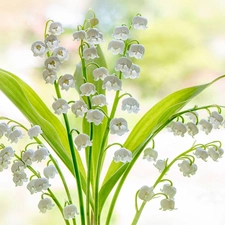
pixel 33 108
pixel 156 117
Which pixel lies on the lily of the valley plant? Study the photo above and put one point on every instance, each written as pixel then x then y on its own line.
pixel 100 121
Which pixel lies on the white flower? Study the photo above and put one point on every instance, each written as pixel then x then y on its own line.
pixel 122 155
pixel 130 104
pixel 60 106
pixel 38 48
pixel 61 53
pixel 99 100
pixel 150 154
pixel 4 128
pixel 136 50
pixel 45 204
pixel 146 193
pixel 112 82
pixel 121 32
pixel 187 168
pixel 87 89
pixel 116 46
pixel 95 116
pixel 100 73
pixel 178 128
pixel 79 35
pixel 66 81
pixel 205 126
pixel 14 134
pixel 215 154
pixel 160 165
pixel 52 42
pixel 56 28
pixel 41 184
pixel 216 119
pixel 40 154
pixel 94 36
pixel 201 153
pixel 139 22
pixel 192 129
pixel 70 211
pixel 31 186
pixel 123 64
pixel 27 157
pixel 118 126
pixel 34 131
pixel 132 73
pixel 90 53
pixel 79 108
pixel 52 63
pixel 82 141
pixel 19 178
pixel 50 76
pixel 192 116
pixel 7 153
pixel 18 167
pixel 4 164
pixel 169 190
pixel 167 204
pixel 50 171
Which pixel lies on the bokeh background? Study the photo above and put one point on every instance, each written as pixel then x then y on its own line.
pixel 185 45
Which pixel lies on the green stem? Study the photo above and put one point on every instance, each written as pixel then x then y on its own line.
pixel 138 213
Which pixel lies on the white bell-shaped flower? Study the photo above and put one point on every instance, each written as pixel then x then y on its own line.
pixel 79 108
pixel 14 134
pixel 192 116
pixel 7 153
pixel 60 106
pixel 41 184
pixel 123 64
pixel 61 53
pixel 70 212
pixel 99 100
pixel 19 178
pixel 100 73
pixel 169 190
pixel 201 153
pixel 118 126
pixel 216 119
pixel 133 72
pixel 112 82
pixel 4 164
pixel 122 155
pixel 82 141
pixel 116 46
pixel 50 171
pixel 31 186
pixel 18 167
pixel 87 89
pixel 94 36
pixel 50 76
pixel 121 32
pixel 146 193
pixel 79 35
pixel 52 42
pixel 4 128
pixel 130 104
pixel 45 204
pixel 39 48
pixel 95 116
pixel 34 131
pixel 205 126
pixel 136 51
pixel 66 81
pixel 52 63
pixel 167 204
pixel 27 157
pixel 150 154
pixel 178 128
pixel 90 53
pixel 40 154
pixel 187 168
pixel 192 129
pixel 214 153
pixel 139 22
pixel 160 165
pixel 55 28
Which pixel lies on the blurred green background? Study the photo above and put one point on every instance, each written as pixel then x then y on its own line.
pixel 185 45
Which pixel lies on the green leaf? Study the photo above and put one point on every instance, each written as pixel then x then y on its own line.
pixel 157 117
pixel 34 109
